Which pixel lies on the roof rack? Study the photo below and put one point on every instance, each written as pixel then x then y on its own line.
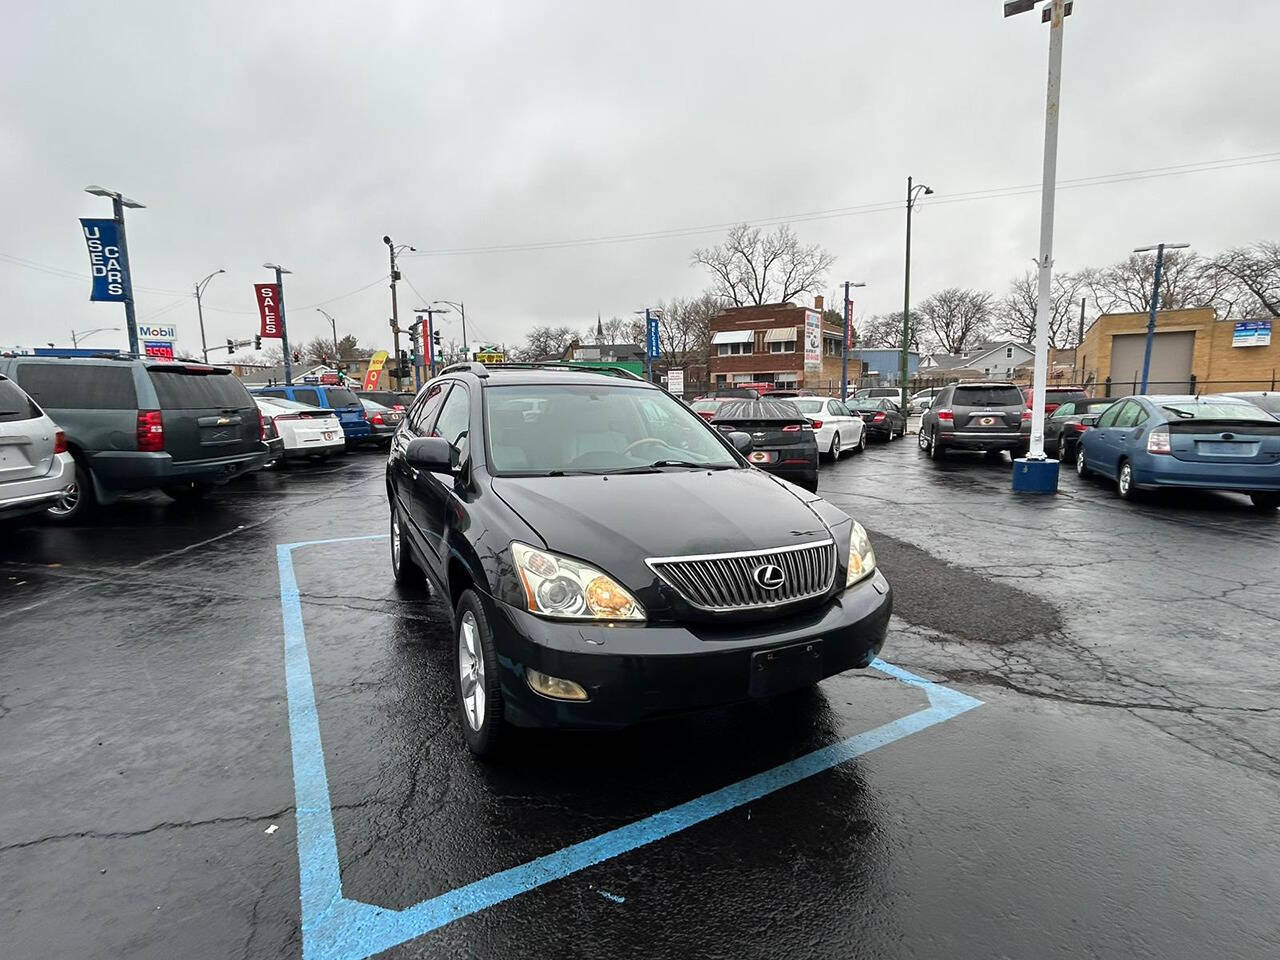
pixel 482 370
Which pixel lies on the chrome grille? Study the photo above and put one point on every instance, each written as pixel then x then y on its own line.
pixel 728 581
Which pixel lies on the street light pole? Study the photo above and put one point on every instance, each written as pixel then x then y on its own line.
pixel 284 329
pixel 913 192
pixel 462 311
pixel 1155 303
pixel 118 203
pixel 392 249
pixel 333 325
pixel 848 336
pixel 204 347
pixel 77 337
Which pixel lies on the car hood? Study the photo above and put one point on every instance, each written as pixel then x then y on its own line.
pixel 618 521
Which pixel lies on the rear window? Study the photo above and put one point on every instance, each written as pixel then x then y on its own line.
pixel 341 397
pixel 705 406
pixel 1214 411
pixel 810 406
pixel 79 386
pixel 1270 403
pixel 987 397
pixel 188 390
pixel 14 404
pixel 783 410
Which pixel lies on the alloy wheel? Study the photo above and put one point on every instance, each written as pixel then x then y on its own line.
pixel 471 670
pixel 67 504
pixel 1082 468
pixel 395 538
pixel 1125 482
pixel 835 447
pixel 922 439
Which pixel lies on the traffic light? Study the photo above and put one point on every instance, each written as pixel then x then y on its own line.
pixel 257 341
pixel 297 357
pixel 435 337
pixel 404 370
pixel 231 346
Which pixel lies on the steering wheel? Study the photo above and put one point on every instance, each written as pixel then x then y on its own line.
pixel 642 441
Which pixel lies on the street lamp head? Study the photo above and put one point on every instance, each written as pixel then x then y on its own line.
pixel 860 283
pixel 276 266
pixel 98 191
pixel 1167 246
pixel 1014 7
pixel 386 240
pixel 928 190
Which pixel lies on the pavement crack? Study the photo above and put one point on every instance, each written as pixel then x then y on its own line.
pixel 128 834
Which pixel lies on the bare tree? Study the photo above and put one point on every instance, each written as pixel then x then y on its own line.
pixel 1016 312
pixel 1253 275
pixel 684 330
pixel 884 330
pixel 959 318
pixel 752 267
pixel 545 341
pixel 1186 280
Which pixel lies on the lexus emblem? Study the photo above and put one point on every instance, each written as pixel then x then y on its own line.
pixel 769 576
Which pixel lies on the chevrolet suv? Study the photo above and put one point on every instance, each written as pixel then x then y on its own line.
pixel 607 556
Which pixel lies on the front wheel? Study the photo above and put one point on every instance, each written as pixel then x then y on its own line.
pixel 1266 501
pixel 476 689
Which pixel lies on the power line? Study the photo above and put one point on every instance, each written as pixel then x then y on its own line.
pixel 989 193
pixel 474 325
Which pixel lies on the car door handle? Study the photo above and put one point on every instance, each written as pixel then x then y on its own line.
pixel 413 472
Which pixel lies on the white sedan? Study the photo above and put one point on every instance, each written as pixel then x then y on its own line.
pixel 837 429
pixel 307 431
pixel 37 472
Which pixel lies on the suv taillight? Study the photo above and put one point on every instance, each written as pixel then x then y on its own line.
pixel 1158 441
pixel 59 442
pixel 1026 415
pixel 150 431
pixel 262 427
pixel 945 414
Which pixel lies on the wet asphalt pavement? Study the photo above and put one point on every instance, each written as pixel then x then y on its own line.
pixel 1115 795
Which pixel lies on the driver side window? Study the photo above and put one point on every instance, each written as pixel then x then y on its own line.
pixel 455 421
pixel 1066 410
pixel 1131 414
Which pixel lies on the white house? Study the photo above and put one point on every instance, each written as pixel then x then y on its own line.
pixel 997 359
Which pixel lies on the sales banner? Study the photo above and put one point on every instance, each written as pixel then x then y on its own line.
pixel 651 337
pixel 374 373
pixel 268 295
pixel 848 325
pixel 107 262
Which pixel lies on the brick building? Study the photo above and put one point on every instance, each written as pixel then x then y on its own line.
pixel 780 343
pixel 1192 351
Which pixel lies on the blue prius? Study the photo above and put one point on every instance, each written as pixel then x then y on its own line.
pixel 1216 443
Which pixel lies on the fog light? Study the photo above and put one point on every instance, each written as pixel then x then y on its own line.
pixel 554 687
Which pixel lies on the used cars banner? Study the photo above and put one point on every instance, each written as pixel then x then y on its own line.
pixel 107 261
pixel 374 373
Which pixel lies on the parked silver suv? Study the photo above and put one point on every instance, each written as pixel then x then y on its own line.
pixel 989 415
pixel 36 471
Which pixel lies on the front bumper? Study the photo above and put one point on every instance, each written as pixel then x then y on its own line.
pixel 633 672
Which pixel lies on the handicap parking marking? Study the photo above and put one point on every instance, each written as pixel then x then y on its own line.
pixel 337 928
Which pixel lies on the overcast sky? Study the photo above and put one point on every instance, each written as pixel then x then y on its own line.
pixel 301 133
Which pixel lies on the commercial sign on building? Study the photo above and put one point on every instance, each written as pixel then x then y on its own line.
pixel 812 341
pixel 268 309
pixel 374 373
pixel 107 262
pixel 1251 333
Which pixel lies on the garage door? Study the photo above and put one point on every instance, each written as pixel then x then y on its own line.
pixel 1170 363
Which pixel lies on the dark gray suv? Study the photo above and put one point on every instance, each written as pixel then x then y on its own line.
pixel 142 425
pixel 989 416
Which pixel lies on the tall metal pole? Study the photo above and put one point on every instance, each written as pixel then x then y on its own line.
pixel 906 302
pixel 204 347
pixel 284 329
pixel 1049 183
pixel 1151 318
pixel 131 320
pixel 844 353
pixel 395 311
pixel 648 353
pixel 462 309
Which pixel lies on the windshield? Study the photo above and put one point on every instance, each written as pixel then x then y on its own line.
pixel 341 397
pixel 543 428
pixel 187 390
pixel 865 404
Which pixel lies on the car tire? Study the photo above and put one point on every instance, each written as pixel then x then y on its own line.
pixel 403 569
pixel 190 492
pixel 1082 468
pixel 1125 486
pixel 936 450
pixel 922 439
pixel 480 712
pixel 1266 501
pixel 76 505
pixel 862 442
pixel 835 451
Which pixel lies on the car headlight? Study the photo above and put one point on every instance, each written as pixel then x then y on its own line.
pixel 556 586
pixel 862 559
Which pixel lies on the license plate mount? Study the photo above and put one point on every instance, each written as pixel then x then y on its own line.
pixel 785 668
pixel 762 456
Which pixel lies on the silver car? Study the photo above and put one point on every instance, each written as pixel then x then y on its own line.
pixel 36 471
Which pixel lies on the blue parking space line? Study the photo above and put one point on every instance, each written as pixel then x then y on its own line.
pixel 337 928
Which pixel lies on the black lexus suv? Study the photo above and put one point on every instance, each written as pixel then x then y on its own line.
pixel 607 556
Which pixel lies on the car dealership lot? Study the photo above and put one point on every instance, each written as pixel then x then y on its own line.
pixel 1106 797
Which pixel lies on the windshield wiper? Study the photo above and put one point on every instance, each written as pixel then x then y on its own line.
pixel 658 464
pixel 1184 414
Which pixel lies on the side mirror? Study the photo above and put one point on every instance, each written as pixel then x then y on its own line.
pixel 430 453
pixel 741 441
pixel 1090 421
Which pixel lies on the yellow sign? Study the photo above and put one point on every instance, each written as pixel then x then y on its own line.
pixel 491 358
pixel 374 373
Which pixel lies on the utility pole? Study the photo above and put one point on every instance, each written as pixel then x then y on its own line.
pixel 848 340
pixel 118 203
pixel 429 340
pixel 284 329
pixel 333 325
pixel 392 249
pixel 204 347
pixel 913 192
pixel 462 311
pixel 1155 303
